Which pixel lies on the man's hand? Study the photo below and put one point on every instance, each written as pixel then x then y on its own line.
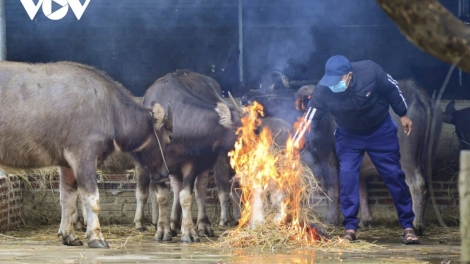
pixel 407 124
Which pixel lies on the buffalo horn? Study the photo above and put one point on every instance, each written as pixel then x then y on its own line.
pixel 239 110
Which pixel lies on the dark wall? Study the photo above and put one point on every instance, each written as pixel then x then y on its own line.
pixel 138 41
pixel 134 41
pixel 298 36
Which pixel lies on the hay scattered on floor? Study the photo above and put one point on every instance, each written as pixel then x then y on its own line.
pixel 117 234
pixel 271 237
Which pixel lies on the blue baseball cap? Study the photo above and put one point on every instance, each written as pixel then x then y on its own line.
pixel 335 68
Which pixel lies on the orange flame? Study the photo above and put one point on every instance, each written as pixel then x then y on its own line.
pixel 260 168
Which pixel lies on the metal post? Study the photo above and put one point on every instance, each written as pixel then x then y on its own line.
pixel 464 201
pixel 3 43
pixel 3 35
pixel 240 40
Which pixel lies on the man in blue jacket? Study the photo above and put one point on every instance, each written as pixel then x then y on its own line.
pixel 358 95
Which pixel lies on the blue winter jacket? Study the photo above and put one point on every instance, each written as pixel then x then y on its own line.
pixel 364 106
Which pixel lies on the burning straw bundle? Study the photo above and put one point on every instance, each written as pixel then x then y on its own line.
pixel 267 171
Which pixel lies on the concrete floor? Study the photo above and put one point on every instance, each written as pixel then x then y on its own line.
pixel 42 246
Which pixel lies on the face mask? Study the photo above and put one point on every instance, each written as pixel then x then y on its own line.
pixel 340 87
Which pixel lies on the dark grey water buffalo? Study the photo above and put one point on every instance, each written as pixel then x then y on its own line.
pixel 279 103
pixel 414 150
pixel 461 120
pixel 204 125
pixel 72 116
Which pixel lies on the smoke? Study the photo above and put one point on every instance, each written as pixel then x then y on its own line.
pixel 136 42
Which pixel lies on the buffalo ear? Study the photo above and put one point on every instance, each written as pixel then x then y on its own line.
pixel 158 114
pixel 169 119
pixel 448 115
pixel 225 117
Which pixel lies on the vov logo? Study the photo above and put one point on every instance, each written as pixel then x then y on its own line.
pixel 77 8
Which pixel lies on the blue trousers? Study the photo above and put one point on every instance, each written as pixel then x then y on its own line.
pixel 384 151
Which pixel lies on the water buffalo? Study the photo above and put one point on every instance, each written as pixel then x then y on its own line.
pixel 72 116
pixel 461 120
pixel 204 126
pixel 414 150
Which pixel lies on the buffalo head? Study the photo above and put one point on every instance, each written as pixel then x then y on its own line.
pixel 151 155
pixel 461 120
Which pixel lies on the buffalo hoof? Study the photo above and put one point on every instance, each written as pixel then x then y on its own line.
pixel 367 223
pixel 96 243
pixel 204 228
pixel 189 239
pixel 142 229
pixel 74 243
pixel 164 238
pixel 174 233
pixel 223 222
pixel 206 232
pixel 419 230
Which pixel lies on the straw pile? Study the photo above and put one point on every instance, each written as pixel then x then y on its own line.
pixel 311 234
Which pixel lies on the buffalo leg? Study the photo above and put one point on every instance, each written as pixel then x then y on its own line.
pixel 222 177
pixel 85 172
pixel 154 204
pixel 235 197
pixel 330 177
pixel 68 200
pixel 76 217
pixel 277 197
pixel 141 195
pixel 417 186
pixel 162 194
pixel 366 216
pixel 203 224
pixel 257 207
pixel 224 199
pixel 175 219
pixel 188 232
pixel 329 173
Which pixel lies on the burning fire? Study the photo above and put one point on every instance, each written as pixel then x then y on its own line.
pixel 264 171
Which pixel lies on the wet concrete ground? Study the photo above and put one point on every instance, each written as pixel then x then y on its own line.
pixel 42 246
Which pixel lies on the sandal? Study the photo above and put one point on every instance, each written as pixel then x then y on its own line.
pixel 350 235
pixel 409 237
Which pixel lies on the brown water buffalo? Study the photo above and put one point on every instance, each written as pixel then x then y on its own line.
pixel 414 150
pixel 73 116
pixel 204 125
pixel 461 120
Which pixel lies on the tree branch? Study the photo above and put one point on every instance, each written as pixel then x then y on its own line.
pixel 432 28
